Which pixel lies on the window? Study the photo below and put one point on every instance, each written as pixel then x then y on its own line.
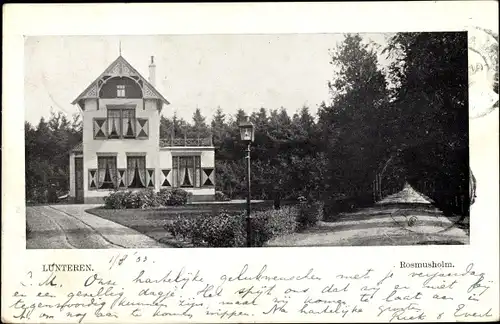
pixel 120 90
pixel 106 172
pixel 186 171
pixel 128 122
pixel 121 122
pixel 136 171
pixel 114 129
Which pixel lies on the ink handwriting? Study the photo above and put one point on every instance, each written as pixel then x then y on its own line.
pixel 251 292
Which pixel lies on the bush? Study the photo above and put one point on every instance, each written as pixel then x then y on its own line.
pixel 229 230
pixel 147 198
pixel 173 197
pixel 273 222
pixel 310 213
pixel 220 196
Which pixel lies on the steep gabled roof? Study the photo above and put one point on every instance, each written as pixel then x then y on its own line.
pixel 120 67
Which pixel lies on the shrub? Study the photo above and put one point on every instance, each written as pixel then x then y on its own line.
pixel 117 200
pixel 220 196
pixel 310 213
pixel 180 227
pixel 173 197
pixel 273 222
pixel 229 230
pixel 147 198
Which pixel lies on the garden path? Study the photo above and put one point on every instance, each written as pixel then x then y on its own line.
pixel 71 227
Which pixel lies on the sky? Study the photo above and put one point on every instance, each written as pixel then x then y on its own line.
pixel 192 71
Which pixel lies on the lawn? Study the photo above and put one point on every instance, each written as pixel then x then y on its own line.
pixel 151 221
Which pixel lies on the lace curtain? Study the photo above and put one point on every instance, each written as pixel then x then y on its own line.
pixel 128 122
pixel 114 123
pixel 186 171
pixel 107 173
pixel 136 172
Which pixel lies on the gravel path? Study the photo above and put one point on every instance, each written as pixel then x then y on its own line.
pixel 69 226
pixel 405 218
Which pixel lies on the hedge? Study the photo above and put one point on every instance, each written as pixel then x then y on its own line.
pixel 229 230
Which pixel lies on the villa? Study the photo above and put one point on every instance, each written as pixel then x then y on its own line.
pixel 121 147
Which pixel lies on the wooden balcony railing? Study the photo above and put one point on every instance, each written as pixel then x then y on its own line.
pixel 169 142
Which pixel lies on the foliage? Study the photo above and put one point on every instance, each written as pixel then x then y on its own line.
pixel 229 229
pixel 47 148
pixel 145 198
pixel 355 132
pixel 333 155
pixel 222 230
pixel 220 196
pixel 310 213
pixel 173 197
pixel 273 222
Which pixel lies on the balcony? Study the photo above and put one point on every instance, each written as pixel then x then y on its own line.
pixel 170 142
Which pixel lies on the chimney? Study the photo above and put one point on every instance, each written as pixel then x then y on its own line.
pixel 152 72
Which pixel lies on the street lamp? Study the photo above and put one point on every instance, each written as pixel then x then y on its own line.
pixel 247 135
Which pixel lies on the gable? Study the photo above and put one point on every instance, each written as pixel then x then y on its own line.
pixel 120 68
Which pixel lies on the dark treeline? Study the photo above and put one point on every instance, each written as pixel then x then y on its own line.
pixel 419 100
pixel 47 149
pixel 286 157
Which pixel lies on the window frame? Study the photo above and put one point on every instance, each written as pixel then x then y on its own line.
pixel 121 109
pixel 121 91
pixel 99 170
pixel 136 156
pixel 177 179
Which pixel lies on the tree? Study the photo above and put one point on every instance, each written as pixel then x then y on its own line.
pixel 47 148
pixel 431 100
pixel 353 123
pixel 431 71
pixel 219 127
pixel 199 127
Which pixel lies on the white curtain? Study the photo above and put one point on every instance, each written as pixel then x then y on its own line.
pixel 106 164
pixel 190 172
pixel 101 172
pixel 130 170
pixel 197 172
pixel 113 122
pixel 197 177
pixel 182 175
pixel 141 164
pixel 112 170
pixel 128 122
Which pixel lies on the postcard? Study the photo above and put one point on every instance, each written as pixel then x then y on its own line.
pixel 250 163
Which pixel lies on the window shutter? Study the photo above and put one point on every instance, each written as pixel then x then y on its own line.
pixel 99 128
pixel 208 177
pixel 142 128
pixel 122 178
pixel 92 179
pixel 166 178
pixel 150 178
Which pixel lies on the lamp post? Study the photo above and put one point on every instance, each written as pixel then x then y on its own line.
pixel 247 137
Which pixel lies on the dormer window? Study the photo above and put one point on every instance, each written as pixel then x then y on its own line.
pixel 120 91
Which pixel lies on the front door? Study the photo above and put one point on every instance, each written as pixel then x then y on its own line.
pixel 79 180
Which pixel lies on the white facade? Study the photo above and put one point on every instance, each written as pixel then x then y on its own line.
pixel 121 142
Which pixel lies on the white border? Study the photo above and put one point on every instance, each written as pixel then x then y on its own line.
pixel 107 19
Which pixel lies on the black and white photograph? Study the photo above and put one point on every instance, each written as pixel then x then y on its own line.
pixel 248 140
pixel 250 162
